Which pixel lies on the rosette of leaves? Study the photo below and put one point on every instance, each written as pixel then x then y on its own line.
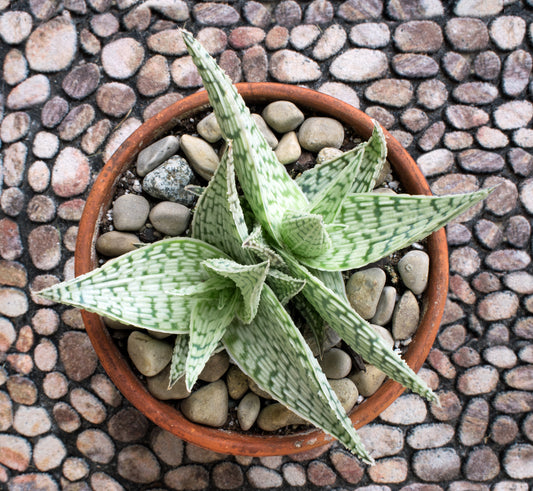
pixel 281 242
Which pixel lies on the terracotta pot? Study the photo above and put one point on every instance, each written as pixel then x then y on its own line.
pixel 118 368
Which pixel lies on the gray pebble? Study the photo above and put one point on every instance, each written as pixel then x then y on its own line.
pixel 414 270
pixel 346 391
pixel 336 363
pixel 155 154
pixel 215 367
pixel 406 316
pixel 368 381
pixel 248 410
pixel 317 133
pixel 150 356
pixel 386 303
pixel 237 382
pixel 130 212
pixel 364 290
pixel 158 386
pixel 283 116
pixel 209 129
pixel 326 154
pixel 168 181
pixel 170 218
pixel 265 130
pixel 257 390
pixel 288 150
pixel 208 405
pixel 113 244
pixel 276 416
pixel 114 324
pixel 201 156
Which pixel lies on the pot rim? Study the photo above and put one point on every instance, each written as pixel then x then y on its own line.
pixel 116 365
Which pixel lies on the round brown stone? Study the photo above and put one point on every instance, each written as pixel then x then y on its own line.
pixel 77 355
pixel 137 464
pixel 127 425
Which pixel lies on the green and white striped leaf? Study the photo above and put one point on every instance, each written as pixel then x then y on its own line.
pixel 207 327
pixel 218 218
pixel 264 180
pixel 283 285
pixel 378 225
pixel 130 288
pixel 333 280
pixel 314 327
pixel 249 280
pixel 373 160
pixel 373 152
pixel 329 200
pixel 205 289
pixel 305 234
pixel 274 354
pixel 179 358
pixel 358 333
pixel 257 244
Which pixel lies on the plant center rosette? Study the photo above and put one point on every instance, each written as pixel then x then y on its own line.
pixel 264 248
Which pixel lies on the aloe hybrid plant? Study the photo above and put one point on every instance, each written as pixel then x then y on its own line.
pixel 282 242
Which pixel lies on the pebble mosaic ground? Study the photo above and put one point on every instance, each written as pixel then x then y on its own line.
pixel 451 80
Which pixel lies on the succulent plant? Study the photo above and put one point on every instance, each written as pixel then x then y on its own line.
pixel 283 242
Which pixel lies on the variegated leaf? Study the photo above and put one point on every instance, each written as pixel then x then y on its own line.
pixel 202 290
pixel 258 245
pixel 373 152
pixel 130 288
pixel 304 234
pixel 378 225
pixel 249 280
pixel 179 358
pixel 329 200
pixel 333 280
pixel 283 285
pixel 208 325
pixel 373 160
pixel 218 217
pixel 358 333
pixel 315 327
pixel 264 180
pixel 272 351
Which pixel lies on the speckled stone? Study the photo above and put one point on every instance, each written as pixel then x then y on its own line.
pixel 370 35
pixel 122 58
pixel 115 99
pixel 291 67
pixel 418 36
pixel 52 45
pixel 508 31
pixel 14 126
pixel 96 445
pixel 211 13
pixel 340 91
pixel 261 477
pixel 415 65
pixel 330 43
pixel 75 348
pixel 15 67
pixel 513 115
pixel 359 65
pixel 76 122
pixel 15 26
pixel 391 92
pixel 516 72
pixel 517 461
pixel 137 464
pixel 467 34
pixel 407 409
pixel 81 80
pixel 432 94
pixel 16 452
pixel 466 117
pixel 54 111
pixel 31 92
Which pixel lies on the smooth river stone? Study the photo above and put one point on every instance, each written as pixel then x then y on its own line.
pixel 201 156
pixel 208 405
pixel 364 290
pixel 130 212
pixel 414 270
pixel 406 316
pixel 116 243
pixel 149 355
pixel 283 116
pixel 156 153
pixel 170 218
pixel 318 132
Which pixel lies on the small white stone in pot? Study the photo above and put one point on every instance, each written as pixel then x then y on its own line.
pixel 346 391
pixel 267 132
pixel 158 386
pixel 113 244
pixel 364 289
pixel 237 382
pixel 209 129
pixel 414 270
pixel 327 154
pixel 155 154
pixel 215 367
pixel 276 416
pixel 283 116
pixel 385 307
pixel 201 156
pixel 248 410
pixel 318 132
pixel 130 212
pixel 170 218
pixel 406 317
pixel 208 405
pixel 149 355
pixel 288 150
pixel 336 364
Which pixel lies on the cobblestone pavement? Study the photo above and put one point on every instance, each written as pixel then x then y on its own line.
pixel 451 80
